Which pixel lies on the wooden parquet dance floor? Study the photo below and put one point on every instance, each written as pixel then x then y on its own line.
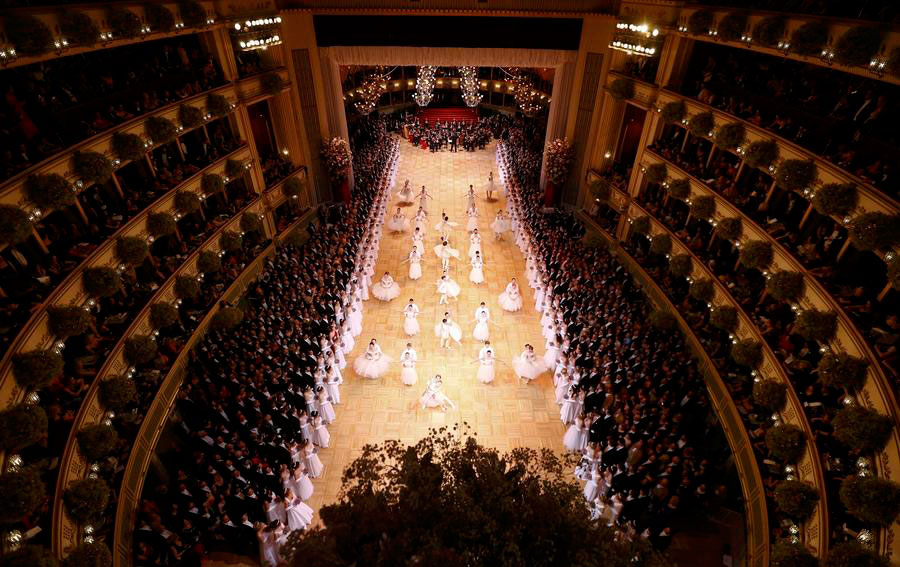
pixel 505 414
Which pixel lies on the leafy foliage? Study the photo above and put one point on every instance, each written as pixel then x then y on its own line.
pixel 703 290
pixel 836 199
pixel 673 112
pixel 186 287
pixel 853 554
pixel 872 500
pixel 159 18
pixel 703 207
pixel 187 202
pixel 786 442
pixel 679 188
pixel 96 441
pixel 217 105
pixel 230 241
pixel 809 38
pixel 161 224
pixel 123 22
pixel 292 187
pixel 234 168
pixel 250 222
pixel 160 130
pixel 769 31
pixel 730 228
pixel 857 46
pixel 657 172
pixel 733 25
pixel 747 352
pixel 15 226
pixel 49 191
pixel 140 349
pixel 86 499
pixel 661 244
pixel 27 33
pixel 842 370
pixel 94 554
pixel 731 135
pixel 117 392
pixel 701 124
pixel 641 225
pixel 815 325
pixel 68 320
pixel 862 429
pixel 208 262
pixel 163 315
pixel 132 250
pixel 761 153
pixel 22 494
pixel 193 13
pixel 190 116
pixel 756 254
pixel 212 183
pixel 101 281
pixel 22 425
pixel 681 265
pixel 724 317
pixel 875 231
pixel 36 368
pixel 92 167
pixel 796 174
pixel 29 556
pixel 79 27
pixel 127 146
pixel 622 88
pixel 786 286
pixel 770 394
pixel 796 499
pixel 700 22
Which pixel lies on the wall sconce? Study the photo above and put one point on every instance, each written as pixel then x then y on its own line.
pixel 7 56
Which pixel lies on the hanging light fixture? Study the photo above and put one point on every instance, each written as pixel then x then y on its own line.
pixel 371 89
pixel 424 85
pixel 470 94
pixel 528 99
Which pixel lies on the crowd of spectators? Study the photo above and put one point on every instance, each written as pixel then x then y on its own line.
pixel 275 168
pixel 842 117
pixel 54 104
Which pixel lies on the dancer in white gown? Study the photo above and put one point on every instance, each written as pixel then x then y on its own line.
pixel 423 199
pixel 398 222
pixel 299 515
pixel 472 223
pixel 471 197
pixel 576 436
pixel 447 289
pixel 415 263
pixel 476 274
pixel 474 243
pixel 527 365
pixel 410 318
pixel 445 226
pixel 314 466
pixel 405 195
pixel 511 299
pixel 447 329
pixel 373 363
pixel 408 359
pixel 482 318
pixel 489 187
pixel 386 289
pixel 499 225
pixel 418 238
pixel 434 396
pixel 486 362
pixel 444 251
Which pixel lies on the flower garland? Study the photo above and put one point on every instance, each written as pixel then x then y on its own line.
pixel 337 156
pixel 559 157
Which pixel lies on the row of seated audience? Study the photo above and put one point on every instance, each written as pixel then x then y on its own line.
pixel 51 105
pixel 248 414
pixel 28 274
pixel 842 117
pixel 855 280
pixel 649 460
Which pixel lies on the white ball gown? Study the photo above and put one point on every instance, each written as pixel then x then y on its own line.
pixel 386 289
pixel 476 274
pixel 415 265
pixel 472 223
pixel 314 465
pixel 398 223
pixel 299 515
pixel 434 396
pixel 408 373
pixel 527 365
pixel 481 332
pixel 373 363
pixel 410 321
pixel 511 300
pixel 450 329
pixel 448 287
pixel 405 194
pixel 474 244
pixel 486 365
pixel 576 437
pixel 500 224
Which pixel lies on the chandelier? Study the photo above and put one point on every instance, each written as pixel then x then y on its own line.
pixel 470 93
pixel 528 99
pixel 371 89
pixel 424 85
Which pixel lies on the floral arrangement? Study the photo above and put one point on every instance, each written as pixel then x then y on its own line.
pixel 79 27
pixel 186 287
pixel 657 173
pixel 49 191
pixel 769 31
pixel 796 174
pixel 234 168
pixel 875 231
pixel 161 224
pixel 770 394
pixel 292 188
pixel 117 392
pixel 124 23
pixel 854 554
pixel 140 349
pixel 22 425
pixel 700 22
pixel 621 88
pixel 756 254
pixel 15 225
pixel 815 325
pixel 212 183
pixel 673 112
pixel 702 124
pixel 747 352
pixel 36 368
pixel 208 262
pixel 836 199
pixel 786 442
pixel 190 116
pixel 724 317
pixel 796 499
pixel 22 494
pixel 230 241
pixel 192 13
pixel 217 105
pixel 809 38
pixel 786 286
pixel 559 157
pixel 730 228
pixel 159 18
pixel 862 429
pixel 641 225
pixel 337 157
pixel 731 135
pixel 681 265
pixel 600 189
pixel 187 201
pixel 96 441
pixel 226 318
pixel 101 281
pixel 661 244
pixel 92 167
pixel 163 315
pixel 160 130
pixel 28 34
pixel 250 222
pixel 733 25
pixel 790 554
pixel 94 554
pixel 128 147
pixel 68 320
pixel 679 188
pixel 761 153
pixel 873 500
pixel 857 46
pixel 30 555
pixel 703 290
pixel 842 370
pixel 86 499
pixel 703 207
pixel 132 250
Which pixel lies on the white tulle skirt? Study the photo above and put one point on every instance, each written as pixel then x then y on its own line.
pixel 476 275
pixel 433 399
pixel 451 288
pixel 481 332
pixel 473 248
pixel 304 487
pixel 550 358
pixel 455 331
pixel 486 373
pixel 575 439
pixel 415 270
pixel 314 466
pixel 510 303
pixel 408 376
pixel 525 369
pixel 398 225
pixel 410 326
pixel 499 226
pixel 405 195
pixel 472 224
pixel 386 293
pixel 371 369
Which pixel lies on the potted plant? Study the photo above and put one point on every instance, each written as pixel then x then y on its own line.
pixel 769 31
pixel 788 554
pixel 132 250
pixel 96 441
pixel 786 286
pixel 79 27
pixel 873 500
pixel 212 183
pixel 124 23
pixel 747 352
pixel 292 188
pixel 842 370
pixel 681 265
pixel 272 83
pixel 163 315
pixel 159 18
pixel 28 34
pixel 161 224
pixel 641 225
pixel 187 202
pixel 770 394
pixel 703 290
pixel 22 425
pixel 862 428
pixel 815 325
pixel 703 207
pixel 700 22
pixel 128 147
pixel 796 174
pixel 250 222
pixel 621 88
pixel 756 254
pixel 190 116
pixel 809 38
pixel 160 130
pixel 731 135
pixel 857 46
pixel 117 392
pixel 217 105
pixel 663 320
pixel 730 228
pixel 702 124
pixel 68 320
pixel 140 349
pixel 186 287
pixel 208 262
pixel 226 318
pixel 600 189
pixel 49 191
pixel 30 555
pixel 15 225
pixel 86 499
pixel 724 317
pixel 193 14
pixel 875 231
pixel 558 160
pixel 661 244
pixel 853 554
pixel 786 442
pixel 94 554
pixel 836 199
pixel 101 281
pixel 22 494
pixel 337 159
pixel 679 188
pixel 233 168
pixel 761 153
pixel 36 368
pixel 656 173
pixel 230 241
pixel 796 499
pixel 672 112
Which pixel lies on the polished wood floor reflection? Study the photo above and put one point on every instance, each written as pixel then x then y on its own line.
pixel 505 414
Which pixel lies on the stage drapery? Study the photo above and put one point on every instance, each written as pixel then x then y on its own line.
pixel 447 56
